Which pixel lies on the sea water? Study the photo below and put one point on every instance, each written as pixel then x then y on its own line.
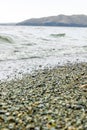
pixel 24 49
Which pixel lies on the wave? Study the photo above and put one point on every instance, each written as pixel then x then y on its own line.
pixel 45 39
pixel 84 47
pixel 58 35
pixel 22 58
pixel 29 44
pixel 6 39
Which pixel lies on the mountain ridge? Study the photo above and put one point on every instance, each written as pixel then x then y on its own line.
pixel 59 20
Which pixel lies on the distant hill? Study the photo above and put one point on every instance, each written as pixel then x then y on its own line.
pixel 60 20
pixel 7 24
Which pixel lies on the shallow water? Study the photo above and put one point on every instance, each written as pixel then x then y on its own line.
pixel 24 49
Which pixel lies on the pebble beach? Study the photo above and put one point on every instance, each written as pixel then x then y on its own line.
pixel 50 99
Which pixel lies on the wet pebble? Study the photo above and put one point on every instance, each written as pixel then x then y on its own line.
pixel 50 99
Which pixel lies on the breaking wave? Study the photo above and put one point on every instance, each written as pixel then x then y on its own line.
pixel 58 35
pixel 6 39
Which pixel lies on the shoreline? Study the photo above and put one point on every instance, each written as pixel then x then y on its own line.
pixel 49 99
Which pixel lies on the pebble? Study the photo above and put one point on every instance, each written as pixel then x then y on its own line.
pixel 2 112
pixel 11 126
pixel 30 127
pixel 11 119
pixel 83 86
pixel 51 99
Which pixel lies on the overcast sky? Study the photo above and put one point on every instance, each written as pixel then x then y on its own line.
pixel 18 10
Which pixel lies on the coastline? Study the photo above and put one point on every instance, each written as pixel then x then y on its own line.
pixel 50 99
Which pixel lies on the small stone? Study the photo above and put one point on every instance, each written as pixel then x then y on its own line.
pixel 77 107
pixel 37 128
pixel 83 86
pixel 2 112
pixel 72 128
pixel 1 118
pixel 28 119
pixel 11 119
pixel 15 113
pixel 30 127
pixel 41 105
pixel 11 126
pixel 1 105
pixel 7 114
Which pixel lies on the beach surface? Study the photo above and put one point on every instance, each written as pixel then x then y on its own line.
pixel 50 99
